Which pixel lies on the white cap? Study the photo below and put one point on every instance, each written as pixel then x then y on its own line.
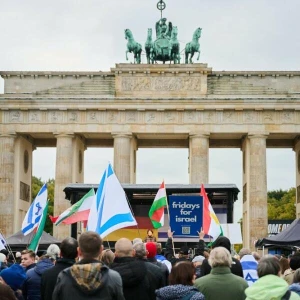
pixel 2 257
pixel 198 258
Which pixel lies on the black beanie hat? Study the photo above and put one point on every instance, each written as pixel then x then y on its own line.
pixel 222 241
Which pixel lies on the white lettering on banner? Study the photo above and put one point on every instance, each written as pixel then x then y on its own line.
pixel 274 229
pixel 187 220
pixel 185 205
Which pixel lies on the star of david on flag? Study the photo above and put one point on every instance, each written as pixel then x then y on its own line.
pixel 35 212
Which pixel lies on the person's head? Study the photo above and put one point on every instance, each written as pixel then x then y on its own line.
pixel 150 233
pixel 140 250
pixel 53 252
pixel 268 265
pixel 295 262
pixel 296 278
pixel 151 249
pixel 256 256
pixel 183 273
pixel 243 252
pixel 5 252
pixel 163 20
pixel 3 258
pixel 184 251
pixel 6 293
pixel 107 257
pixel 222 241
pixel 220 257
pixel 197 260
pixel 284 264
pixel 14 276
pixel 137 240
pixel 27 258
pixel 68 248
pixel 90 245
pixel 124 248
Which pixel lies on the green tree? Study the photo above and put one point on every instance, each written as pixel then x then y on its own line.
pixel 36 185
pixel 281 204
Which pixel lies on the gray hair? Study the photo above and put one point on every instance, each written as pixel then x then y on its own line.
pixel 53 252
pixel 137 240
pixel 220 257
pixel 140 250
pixel 268 265
pixel 256 255
pixel 243 252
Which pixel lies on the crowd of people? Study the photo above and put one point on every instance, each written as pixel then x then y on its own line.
pixel 142 270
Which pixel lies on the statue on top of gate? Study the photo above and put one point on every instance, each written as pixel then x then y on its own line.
pixel 166 47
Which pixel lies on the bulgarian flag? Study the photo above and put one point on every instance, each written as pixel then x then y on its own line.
pixel 157 210
pixel 78 211
pixel 211 224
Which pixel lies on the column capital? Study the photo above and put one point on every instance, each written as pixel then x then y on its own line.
pixel 122 134
pixel 255 135
pixel 199 135
pixel 64 134
pixel 8 135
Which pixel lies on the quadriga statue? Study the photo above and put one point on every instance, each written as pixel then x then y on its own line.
pixel 133 47
pixel 192 47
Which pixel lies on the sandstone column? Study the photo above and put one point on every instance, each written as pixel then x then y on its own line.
pixel 297 153
pixel 123 156
pixel 255 207
pixel 198 158
pixel 7 181
pixel 63 176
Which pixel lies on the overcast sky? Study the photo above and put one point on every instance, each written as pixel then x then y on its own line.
pixel 88 35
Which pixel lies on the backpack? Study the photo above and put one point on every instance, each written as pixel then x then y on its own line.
pixel 287 295
pixel 190 295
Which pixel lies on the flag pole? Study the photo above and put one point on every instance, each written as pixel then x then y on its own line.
pixel 137 225
pixel 169 219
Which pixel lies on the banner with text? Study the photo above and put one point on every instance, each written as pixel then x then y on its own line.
pixel 186 215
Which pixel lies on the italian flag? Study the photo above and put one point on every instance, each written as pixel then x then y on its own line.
pixel 211 224
pixel 78 211
pixel 157 210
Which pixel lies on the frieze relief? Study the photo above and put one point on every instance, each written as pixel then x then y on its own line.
pixel 55 117
pixel 160 83
pixel 34 116
pixel 169 116
pixel 15 116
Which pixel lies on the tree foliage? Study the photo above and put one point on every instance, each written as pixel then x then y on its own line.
pixel 36 185
pixel 281 204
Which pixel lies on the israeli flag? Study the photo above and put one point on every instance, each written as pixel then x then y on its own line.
pixel 110 210
pixel 2 242
pixel 35 212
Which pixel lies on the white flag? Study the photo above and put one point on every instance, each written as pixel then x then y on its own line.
pixel 110 210
pixel 2 242
pixel 35 212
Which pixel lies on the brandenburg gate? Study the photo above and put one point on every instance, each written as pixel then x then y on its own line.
pixel 151 105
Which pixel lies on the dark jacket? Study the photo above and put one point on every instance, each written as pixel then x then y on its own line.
pixel 88 279
pixel 163 268
pixel 140 278
pixel 236 267
pixel 49 277
pixel 32 285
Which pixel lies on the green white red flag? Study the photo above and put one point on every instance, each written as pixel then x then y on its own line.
pixel 78 211
pixel 157 210
pixel 211 224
